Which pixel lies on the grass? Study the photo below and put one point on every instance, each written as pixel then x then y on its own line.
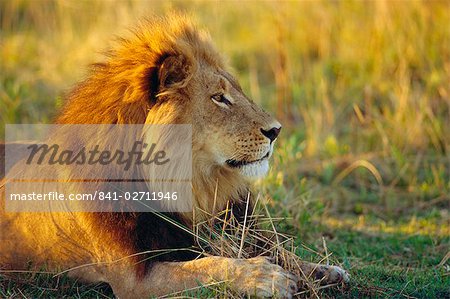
pixel 362 167
pixel 390 265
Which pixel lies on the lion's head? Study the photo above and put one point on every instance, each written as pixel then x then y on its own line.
pixel 168 72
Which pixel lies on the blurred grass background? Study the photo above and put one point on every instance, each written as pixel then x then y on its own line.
pixel 362 167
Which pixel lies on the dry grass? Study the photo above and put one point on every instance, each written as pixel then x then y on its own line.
pixel 223 235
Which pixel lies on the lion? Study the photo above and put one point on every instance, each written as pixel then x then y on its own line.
pixel 167 72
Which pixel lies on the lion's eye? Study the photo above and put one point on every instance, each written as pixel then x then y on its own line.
pixel 221 99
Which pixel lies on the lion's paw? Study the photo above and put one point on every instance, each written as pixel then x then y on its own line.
pixel 331 274
pixel 258 276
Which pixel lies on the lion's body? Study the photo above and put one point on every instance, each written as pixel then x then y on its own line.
pixel 166 73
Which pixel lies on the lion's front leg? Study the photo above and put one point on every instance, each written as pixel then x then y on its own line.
pixel 256 276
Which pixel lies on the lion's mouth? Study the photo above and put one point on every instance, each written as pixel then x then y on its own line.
pixel 239 163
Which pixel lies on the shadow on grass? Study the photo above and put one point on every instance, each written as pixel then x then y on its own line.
pixel 44 285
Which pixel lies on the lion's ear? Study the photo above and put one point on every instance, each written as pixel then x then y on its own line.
pixel 175 71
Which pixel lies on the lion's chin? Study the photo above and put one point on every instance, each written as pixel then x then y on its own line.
pixel 254 170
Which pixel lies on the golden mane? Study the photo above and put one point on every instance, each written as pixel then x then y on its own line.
pixel 117 90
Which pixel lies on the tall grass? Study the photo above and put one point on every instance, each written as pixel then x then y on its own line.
pixel 377 70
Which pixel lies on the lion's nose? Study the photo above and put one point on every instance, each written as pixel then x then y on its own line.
pixel 272 134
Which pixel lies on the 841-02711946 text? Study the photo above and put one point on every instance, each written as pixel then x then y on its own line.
pixel 97 195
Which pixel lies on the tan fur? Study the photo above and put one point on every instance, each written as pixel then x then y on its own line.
pixel 165 73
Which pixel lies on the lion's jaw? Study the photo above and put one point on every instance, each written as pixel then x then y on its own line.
pixel 250 169
pixel 255 169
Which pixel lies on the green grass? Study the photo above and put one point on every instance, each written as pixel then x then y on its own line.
pixel 389 265
pixel 363 159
